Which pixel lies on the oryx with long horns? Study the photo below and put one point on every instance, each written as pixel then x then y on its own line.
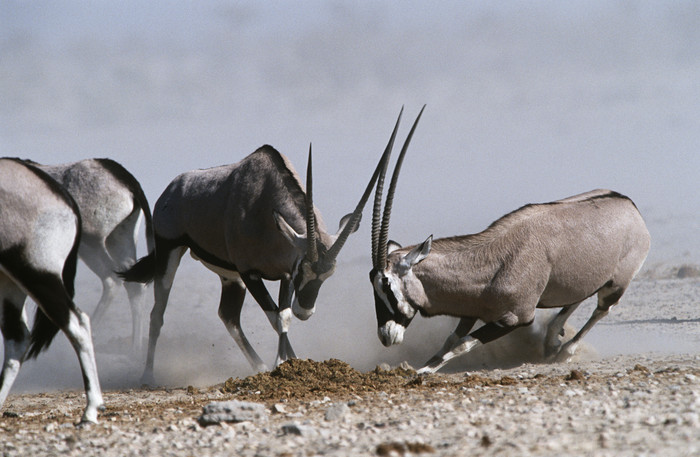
pixel 247 222
pixel 551 255
pixel 39 238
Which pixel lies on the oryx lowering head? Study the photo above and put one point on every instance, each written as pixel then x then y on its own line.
pixel 318 250
pixel 393 303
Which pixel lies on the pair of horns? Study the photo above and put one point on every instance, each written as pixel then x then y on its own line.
pixel 351 225
pixel 380 229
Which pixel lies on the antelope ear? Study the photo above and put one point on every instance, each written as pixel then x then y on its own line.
pixel 391 246
pixel 344 221
pixel 288 232
pixel 418 253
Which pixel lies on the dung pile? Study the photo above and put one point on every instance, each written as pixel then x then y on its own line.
pixel 300 379
pixel 303 380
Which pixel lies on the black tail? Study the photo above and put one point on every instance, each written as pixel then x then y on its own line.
pixel 55 306
pixel 43 333
pixel 143 271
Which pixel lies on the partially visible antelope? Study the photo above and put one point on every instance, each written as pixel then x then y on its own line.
pixel 550 255
pixel 247 222
pixel 111 202
pixel 39 238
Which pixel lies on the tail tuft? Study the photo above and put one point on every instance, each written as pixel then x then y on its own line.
pixel 43 333
pixel 143 271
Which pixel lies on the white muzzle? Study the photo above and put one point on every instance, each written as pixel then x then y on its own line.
pixel 391 333
pixel 300 312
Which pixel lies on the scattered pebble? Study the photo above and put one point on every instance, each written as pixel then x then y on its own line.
pixel 232 411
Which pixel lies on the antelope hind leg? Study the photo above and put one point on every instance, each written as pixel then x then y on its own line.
pixel 15 333
pixel 607 297
pixel 555 329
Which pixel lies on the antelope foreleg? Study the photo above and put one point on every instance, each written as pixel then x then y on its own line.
pixel 284 319
pixel 456 344
pixel 232 297
pixel 259 292
pixel 279 317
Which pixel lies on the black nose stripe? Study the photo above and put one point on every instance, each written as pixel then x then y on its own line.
pixel 306 297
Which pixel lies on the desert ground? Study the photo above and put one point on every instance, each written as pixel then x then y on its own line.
pixel 624 405
pixel 633 389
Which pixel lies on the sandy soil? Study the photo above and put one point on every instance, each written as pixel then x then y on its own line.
pixel 626 405
pixel 634 390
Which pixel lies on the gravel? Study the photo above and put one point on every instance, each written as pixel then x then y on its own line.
pixel 617 406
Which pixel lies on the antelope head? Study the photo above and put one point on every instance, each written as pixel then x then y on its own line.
pixel 392 303
pixel 318 261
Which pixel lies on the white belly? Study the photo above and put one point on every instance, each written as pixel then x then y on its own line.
pixel 224 273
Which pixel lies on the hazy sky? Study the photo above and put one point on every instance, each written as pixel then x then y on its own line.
pixel 526 101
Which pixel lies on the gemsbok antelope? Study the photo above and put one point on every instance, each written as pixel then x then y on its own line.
pixel 247 222
pixel 39 238
pixel 110 201
pixel 549 255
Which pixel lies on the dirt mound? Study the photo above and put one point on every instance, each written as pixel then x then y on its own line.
pixel 301 379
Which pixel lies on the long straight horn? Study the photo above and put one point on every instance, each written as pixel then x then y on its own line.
pixel 377 208
pixel 357 214
pixel 384 233
pixel 312 250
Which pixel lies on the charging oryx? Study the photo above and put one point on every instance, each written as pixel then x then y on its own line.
pixel 111 201
pixel 551 255
pixel 39 237
pixel 247 222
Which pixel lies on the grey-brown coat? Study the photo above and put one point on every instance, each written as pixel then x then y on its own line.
pixel 547 255
pixel 247 222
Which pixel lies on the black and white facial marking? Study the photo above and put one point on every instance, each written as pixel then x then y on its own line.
pixel 308 273
pixel 393 313
pixel 395 310
pixel 307 278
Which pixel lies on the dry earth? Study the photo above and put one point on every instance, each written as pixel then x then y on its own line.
pixel 642 400
pixel 626 405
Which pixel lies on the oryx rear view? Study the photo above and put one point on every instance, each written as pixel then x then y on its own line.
pixel 39 237
pixel 550 255
pixel 247 222
pixel 111 202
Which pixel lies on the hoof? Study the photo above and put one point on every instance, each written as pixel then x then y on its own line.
pixel 552 347
pixel 426 370
pixel 566 353
pixel 87 420
pixel 148 380
pixel 261 368
pixel 551 352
